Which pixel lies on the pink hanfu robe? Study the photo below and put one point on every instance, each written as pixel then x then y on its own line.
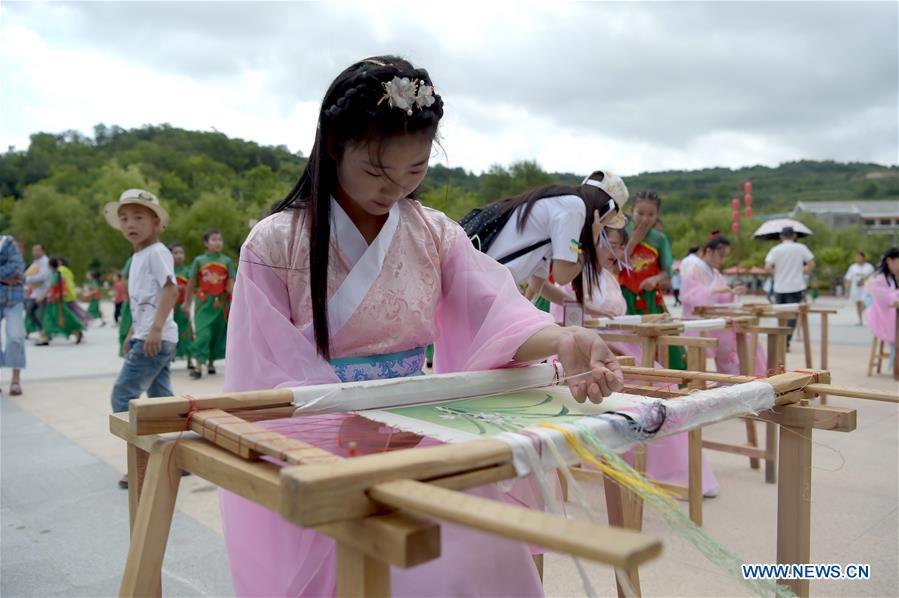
pixel 880 316
pixel 697 289
pixel 428 284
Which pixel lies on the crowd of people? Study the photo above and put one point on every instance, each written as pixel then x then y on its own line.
pixel 43 301
pixel 350 278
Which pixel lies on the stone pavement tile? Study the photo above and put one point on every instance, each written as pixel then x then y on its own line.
pixel 854 502
pixel 68 522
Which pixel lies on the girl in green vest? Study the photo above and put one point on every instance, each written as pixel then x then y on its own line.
pixel 211 280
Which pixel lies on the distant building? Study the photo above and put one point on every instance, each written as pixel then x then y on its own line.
pixel 872 215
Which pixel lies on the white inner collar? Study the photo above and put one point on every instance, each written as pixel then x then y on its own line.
pixel 348 238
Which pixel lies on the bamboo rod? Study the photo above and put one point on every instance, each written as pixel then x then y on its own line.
pixel 687 375
pixel 840 391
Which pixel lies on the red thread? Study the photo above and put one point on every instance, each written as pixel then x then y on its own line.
pixel 816 376
pixel 192 408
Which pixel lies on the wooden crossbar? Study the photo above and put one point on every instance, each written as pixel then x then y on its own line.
pixel 614 546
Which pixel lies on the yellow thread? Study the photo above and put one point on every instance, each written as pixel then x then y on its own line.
pixel 625 479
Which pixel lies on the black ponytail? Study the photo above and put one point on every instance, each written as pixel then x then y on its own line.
pixel 884 268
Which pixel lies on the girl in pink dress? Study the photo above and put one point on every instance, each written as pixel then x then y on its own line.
pixel 349 279
pixel 605 299
pixel 703 284
pixel 880 315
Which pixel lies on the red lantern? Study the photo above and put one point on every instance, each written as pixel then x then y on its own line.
pixel 747 199
pixel 748 212
pixel 735 204
pixel 747 187
pixel 735 227
pixel 735 215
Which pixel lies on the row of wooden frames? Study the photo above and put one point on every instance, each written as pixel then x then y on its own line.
pixel 382 509
pixel 657 332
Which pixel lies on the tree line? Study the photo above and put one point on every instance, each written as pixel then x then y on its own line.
pixel 54 191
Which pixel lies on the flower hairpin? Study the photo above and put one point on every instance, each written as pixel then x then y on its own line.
pixel 404 93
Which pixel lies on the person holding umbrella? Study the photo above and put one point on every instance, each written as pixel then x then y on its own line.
pixel 791 262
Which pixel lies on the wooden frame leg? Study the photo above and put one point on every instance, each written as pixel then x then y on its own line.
pixel 783 322
pixel 776 343
pixel 152 523
pixel 633 504
pixel 770 452
pixel 695 475
pixel 873 356
pixel 137 469
pixel 742 354
pixel 664 356
pixel 625 510
pixel 696 361
pixel 825 339
pixel 753 349
pixel 794 506
pixel 649 352
pixel 806 338
pixel 359 575
pixel 753 441
pixel 538 562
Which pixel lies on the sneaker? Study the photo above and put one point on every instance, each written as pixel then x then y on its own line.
pixel 123 482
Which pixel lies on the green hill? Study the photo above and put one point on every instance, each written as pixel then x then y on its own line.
pixel 54 191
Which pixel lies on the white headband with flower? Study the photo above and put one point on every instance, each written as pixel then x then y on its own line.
pixel 404 93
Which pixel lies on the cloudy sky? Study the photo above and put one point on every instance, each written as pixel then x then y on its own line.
pixel 627 86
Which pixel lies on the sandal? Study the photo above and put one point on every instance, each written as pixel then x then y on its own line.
pixel 15 389
pixel 78 337
pixel 211 370
pixel 123 482
pixel 196 374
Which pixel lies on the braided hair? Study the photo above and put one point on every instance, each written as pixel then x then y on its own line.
pixel 353 111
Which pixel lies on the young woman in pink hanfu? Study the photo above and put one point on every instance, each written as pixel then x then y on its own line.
pixel 703 284
pixel 880 315
pixel 349 279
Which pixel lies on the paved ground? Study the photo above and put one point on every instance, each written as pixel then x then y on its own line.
pixel 64 521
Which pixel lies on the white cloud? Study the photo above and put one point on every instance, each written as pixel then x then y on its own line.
pixel 626 86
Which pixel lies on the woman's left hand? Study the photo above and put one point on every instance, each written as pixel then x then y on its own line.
pixel 597 226
pixel 584 352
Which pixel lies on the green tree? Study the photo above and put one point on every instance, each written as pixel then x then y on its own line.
pixel 453 201
pixel 58 221
pixel 213 209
